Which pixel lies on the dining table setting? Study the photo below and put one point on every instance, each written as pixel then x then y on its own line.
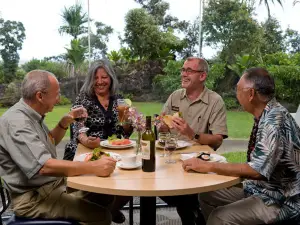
pixel 162 150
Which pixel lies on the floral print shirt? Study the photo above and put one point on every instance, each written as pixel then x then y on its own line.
pixel 276 156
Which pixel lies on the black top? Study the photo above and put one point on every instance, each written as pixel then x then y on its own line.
pixel 102 122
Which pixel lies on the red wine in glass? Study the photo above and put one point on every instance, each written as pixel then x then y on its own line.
pixel 170 148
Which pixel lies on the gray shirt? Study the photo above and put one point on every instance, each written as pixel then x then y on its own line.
pixel 25 145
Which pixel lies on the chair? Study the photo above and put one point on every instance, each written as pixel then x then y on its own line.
pixel 14 220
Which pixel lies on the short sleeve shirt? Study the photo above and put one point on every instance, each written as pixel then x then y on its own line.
pixel 206 114
pixel 25 145
pixel 276 156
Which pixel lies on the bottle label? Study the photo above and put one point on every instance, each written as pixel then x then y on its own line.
pixel 145 149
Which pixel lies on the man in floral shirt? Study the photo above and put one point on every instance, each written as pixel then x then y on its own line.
pixel 271 192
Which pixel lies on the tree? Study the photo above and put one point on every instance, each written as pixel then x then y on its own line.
pixel 144 38
pixel 76 57
pixel 292 40
pixel 12 35
pixel 191 36
pixel 98 40
pixel 266 2
pixel 229 26
pixel 273 37
pixel 74 19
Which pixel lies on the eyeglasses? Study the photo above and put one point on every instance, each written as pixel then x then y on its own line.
pixel 190 71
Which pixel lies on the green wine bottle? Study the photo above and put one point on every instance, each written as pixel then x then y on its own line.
pixel 148 148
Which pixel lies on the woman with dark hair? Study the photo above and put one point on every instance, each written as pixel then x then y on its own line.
pixel 99 96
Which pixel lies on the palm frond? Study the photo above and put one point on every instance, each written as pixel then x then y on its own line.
pixel 266 2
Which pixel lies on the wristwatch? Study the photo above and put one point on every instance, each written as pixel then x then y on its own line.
pixel 196 137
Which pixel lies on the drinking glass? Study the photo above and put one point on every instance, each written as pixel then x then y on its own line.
pixel 170 146
pixel 162 136
pixel 81 120
pixel 122 108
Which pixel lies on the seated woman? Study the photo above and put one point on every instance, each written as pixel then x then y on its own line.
pixel 99 96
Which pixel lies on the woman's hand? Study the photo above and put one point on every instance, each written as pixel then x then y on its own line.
pixel 90 142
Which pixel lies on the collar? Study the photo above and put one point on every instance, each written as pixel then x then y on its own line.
pixel 31 112
pixel 203 96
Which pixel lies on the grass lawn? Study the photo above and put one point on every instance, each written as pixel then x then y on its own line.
pixel 239 123
pixel 236 157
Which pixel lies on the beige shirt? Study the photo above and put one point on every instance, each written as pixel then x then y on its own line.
pixel 25 145
pixel 206 114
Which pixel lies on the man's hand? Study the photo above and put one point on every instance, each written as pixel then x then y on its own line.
pixel 90 142
pixel 197 165
pixel 104 166
pixel 72 115
pixel 182 127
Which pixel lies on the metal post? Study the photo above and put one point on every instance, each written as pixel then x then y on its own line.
pixel 89 35
pixel 200 28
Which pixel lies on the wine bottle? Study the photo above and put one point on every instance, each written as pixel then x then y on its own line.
pixel 148 148
pixel 155 128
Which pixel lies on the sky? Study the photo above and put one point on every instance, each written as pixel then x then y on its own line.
pixel 42 18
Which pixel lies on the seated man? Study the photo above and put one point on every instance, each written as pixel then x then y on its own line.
pixel 28 161
pixel 271 192
pixel 203 121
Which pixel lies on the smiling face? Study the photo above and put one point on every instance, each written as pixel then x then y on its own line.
pixel 102 82
pixel 192 76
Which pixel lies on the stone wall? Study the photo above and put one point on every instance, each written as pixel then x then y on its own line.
pixel 135 80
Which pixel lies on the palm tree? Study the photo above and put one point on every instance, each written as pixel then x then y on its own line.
pixel 76 56
pixel 266 2
pixel 74 20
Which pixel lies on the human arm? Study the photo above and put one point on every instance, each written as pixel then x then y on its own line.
pixel 213 140
pixel 228 169
pixel 54 167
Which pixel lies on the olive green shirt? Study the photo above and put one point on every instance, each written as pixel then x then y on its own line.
pixel 25 145
pixel 206 114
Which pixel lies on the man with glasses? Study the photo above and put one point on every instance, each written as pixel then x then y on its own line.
pixel 271 191
pixel 203 121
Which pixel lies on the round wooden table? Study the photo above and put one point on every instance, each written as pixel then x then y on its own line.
pixel 167 180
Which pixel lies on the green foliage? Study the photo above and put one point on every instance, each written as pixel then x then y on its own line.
pixel 57 68
pixel 242 63
pixel 12 35
pixel 114 56
pixel 64 100
pixel 272 37
pixel 76 54
pixel 216 72
pixel 12 94
pixel 98 40
pixel 229 24
pixel 231 103
pixel 74 19
pixel 292 40
pixel 145 39
pixel 164 85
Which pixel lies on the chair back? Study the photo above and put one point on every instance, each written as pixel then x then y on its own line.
pixel 5 199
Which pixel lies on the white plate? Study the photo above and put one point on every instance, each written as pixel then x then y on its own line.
pixel 180 144
pixel 129 167
pixel 213 157
pixel 107 145
pixel 81 157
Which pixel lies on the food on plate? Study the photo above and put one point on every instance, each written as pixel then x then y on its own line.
pixel 95 155
pixel 113 140
pixel 204 156
pixel 169 118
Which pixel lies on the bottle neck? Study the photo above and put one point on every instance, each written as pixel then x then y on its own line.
pixel 148 122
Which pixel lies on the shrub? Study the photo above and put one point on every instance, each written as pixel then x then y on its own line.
pixel 231 103
pixel 64 100
pixel 12 95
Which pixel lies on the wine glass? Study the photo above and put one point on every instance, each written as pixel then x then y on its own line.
pixel 81 120
pixel 170 146
pixel 162 136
